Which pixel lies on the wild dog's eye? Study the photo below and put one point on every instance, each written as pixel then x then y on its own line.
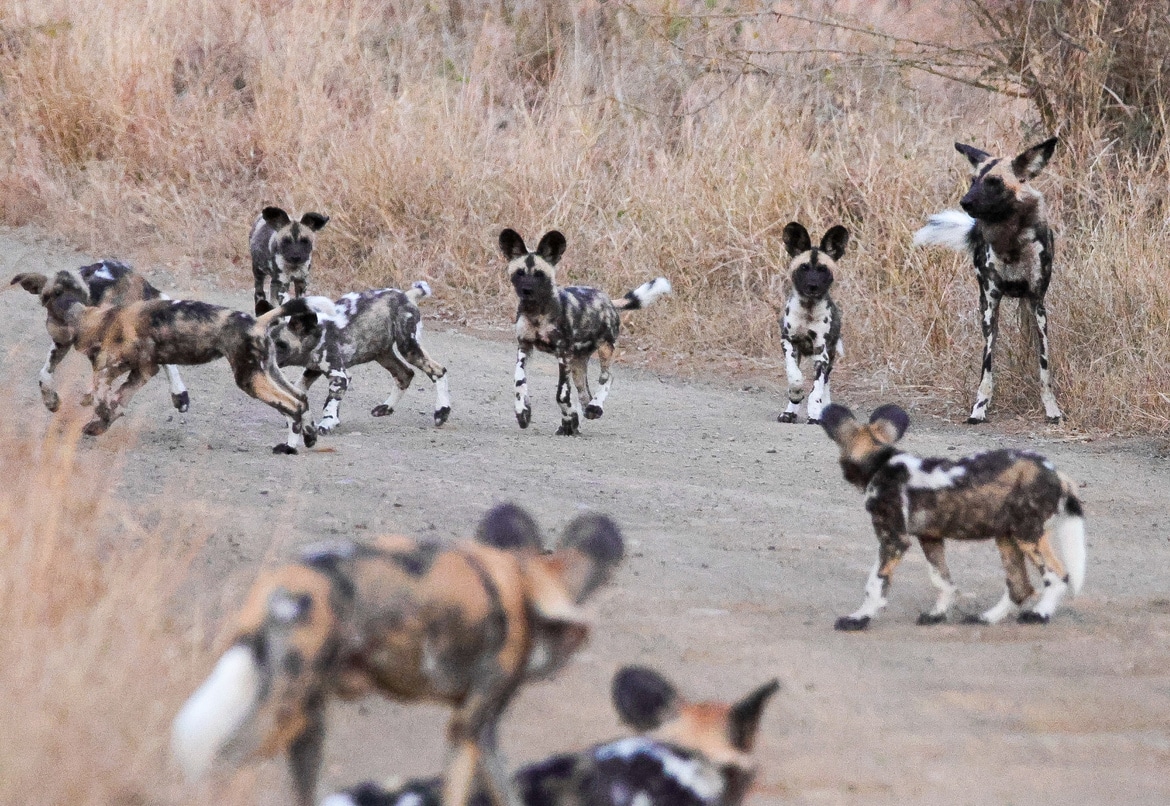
pixel 538 274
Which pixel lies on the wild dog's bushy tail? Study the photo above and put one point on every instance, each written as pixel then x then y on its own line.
pixel 323 307
pixel 950 228
pixel 1068 532
pixel 643 295
pixel 419 289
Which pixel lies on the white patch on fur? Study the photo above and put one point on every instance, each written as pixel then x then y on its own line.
pixel 648 293
pixel 946 592
pixel 327 310
pixel 442 394
pixel 874 600
pixel 938 479
pixel 338 799
pixel 217 710
pixel 694 774
pixel 175 380
pixel 104 272
pixel 1068 534
pixel 949 228
pixel 392 399
pixel 1054 588
pixel 997 612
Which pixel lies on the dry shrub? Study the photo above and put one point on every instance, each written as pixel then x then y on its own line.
pixel 664 138
pixel 94 665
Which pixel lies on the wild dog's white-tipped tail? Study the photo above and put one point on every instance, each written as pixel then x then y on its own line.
pixel 1068 532
pixel 950 228
pixel 217 710
pixel 419 289
pixel 644 294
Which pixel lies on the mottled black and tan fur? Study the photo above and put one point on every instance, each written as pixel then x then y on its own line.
pixel 282 251
pixel 685 754
pixel 139 337
pixel 572 323
pixel 107 282
pixel 464 624
pixel 811 324
pixel 383 325
pixel 1004 227
pixel 1015 498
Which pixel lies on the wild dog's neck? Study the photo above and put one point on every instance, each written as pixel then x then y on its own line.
pixel 541 306
pixel 860 473
pixel 1004 235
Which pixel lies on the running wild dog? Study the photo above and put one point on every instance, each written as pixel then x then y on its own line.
pixel 139 337
pixel 811 324
pixel 108 282
pixel 1004 227
pixel 685 754
pixel 282 250
pixel 572 323
pixel 1015 498
pixel 464 624
pixel 382 326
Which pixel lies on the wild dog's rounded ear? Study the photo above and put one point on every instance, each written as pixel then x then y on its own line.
pixel 275 217
pixel 1031 162
pixel 598 538
pixel 643 698
pixel 263 306
pixel 834 241
pixel 509 527
pixel 744 719
pixel 893 419
pixel 796 239
pixel 552 246
pixel 833 417
pixel 314 221
pixel 512 245
pixel 302 323
pixel 32 283
pixel 973 154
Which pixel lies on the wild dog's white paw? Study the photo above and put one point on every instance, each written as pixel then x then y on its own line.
pixel 328 424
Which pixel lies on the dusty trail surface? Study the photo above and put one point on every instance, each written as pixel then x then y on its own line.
pixel 744 545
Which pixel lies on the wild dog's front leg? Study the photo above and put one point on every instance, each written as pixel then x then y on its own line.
pixel 890 552
pixel 1051 410
pixel 109 407
pixel 261 297
pixel 475 755
pixel 46 381
pixel 415 354
pixel 578 369
pixel 180 399
pixel 795 382
pixel 280 294
pixel 523 407
pixel 1055 580
pixel 989 297
pixel 822 368
pixel 597 405
pixel 331 413
pixel 940 577
pixel 570 423
pixel 304 756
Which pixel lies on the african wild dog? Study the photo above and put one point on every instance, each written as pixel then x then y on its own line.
pixel 685 754
pixel 572 323
pixel 811 324
pixel 1015 498
pixel 1004 227
pixel 382 326
pixel 465 624
pixel 108 282
pixel 282 250
pixel 139 337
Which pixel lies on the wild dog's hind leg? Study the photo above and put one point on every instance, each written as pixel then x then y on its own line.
pixel 403 375
pixel 940 577
pixel 596 406
pixel 523 405
pixel 1019 587
pixel 415 354
pixel 989 297
pixel 890 551
pixel 795 382
pixel 331 412
pixel 1051 410
pixel 1054 576
pixel 304 756
pixel 570 423
pixel 46 381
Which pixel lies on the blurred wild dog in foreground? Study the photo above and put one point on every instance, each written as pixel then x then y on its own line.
pixel 1015 498
pixel 572 323
pixel 107 282
pixel 466 624
pixel 685 754
pixel 282 251
pixel 1004 227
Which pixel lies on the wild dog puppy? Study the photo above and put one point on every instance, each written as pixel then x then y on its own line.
pixel 811 324
pixel 1004 227
pixel 383 326
pixel 572 323
pixel 465 624
pixel 685 754
pixel 139 337
pixel 282 250
pixel 1015 498
pixel 108 282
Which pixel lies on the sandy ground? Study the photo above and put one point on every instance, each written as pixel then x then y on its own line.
pixel 744 545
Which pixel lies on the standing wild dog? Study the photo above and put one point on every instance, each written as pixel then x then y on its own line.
pixel 383 326
pixel 572 323
pixel 811 324
pixel 1015 498
pixel 685 754
pixel 139 337
pixel 1004 227
pixel 282 250
pixel 464 624
pixel 108 282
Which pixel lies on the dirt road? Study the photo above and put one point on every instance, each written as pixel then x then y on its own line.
pixel 744 545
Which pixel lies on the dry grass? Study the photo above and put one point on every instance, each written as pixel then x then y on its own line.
pixel 94 664
pixel 664 138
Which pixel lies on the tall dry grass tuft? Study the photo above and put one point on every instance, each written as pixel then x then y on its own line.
pixel 94 665
pixel 664 138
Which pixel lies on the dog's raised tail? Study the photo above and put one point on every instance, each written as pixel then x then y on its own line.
pixel 644 295
pixel 1068 533
pixel 419 289
pixel 950 228
pixel 323 307
pixel 216 712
